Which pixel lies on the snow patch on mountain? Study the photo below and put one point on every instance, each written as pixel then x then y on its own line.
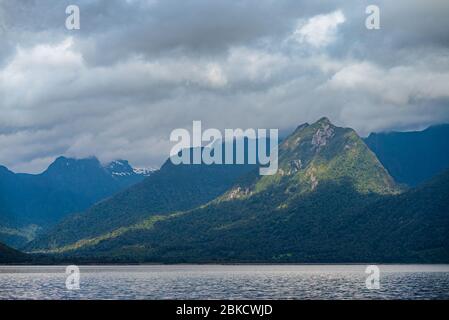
pixel 122 168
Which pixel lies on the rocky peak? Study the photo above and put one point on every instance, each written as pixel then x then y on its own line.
pixel 63 165
pixel 321 152
pixel 119 168
pixel 323 134
pixel 324 121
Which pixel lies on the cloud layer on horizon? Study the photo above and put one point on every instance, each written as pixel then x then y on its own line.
pixel 138 69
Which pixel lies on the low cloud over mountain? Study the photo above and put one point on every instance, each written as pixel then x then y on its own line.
pixel 137 69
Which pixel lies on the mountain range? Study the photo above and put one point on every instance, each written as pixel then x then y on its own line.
pixel 331 200
pixel 170 189
pixel 9 255
pixel 412 157
pixel 335 198
pixel 30 203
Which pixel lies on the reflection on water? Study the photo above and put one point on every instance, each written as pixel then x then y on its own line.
pixel 226 282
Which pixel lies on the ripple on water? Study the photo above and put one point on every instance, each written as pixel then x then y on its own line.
pixel 226 282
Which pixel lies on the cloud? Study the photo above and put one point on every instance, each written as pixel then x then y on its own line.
pixel 319 30
pixel 399 85
pixel 138 69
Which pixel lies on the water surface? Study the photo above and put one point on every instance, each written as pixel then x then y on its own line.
pixel 226 282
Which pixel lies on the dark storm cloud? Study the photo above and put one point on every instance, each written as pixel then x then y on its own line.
pixel 150 27
pixel 137 69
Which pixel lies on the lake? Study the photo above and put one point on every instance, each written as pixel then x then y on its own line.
pixel 226 282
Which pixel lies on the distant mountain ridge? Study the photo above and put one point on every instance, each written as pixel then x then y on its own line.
pixel 9 255
pixel 30 202
pixel 170 189
pixel 412 157
pixel 122 168
pixel 329 201
pixel 332 200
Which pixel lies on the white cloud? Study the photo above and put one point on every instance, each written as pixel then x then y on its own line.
pixel 27 80
pixel 319 30
pixel 399 85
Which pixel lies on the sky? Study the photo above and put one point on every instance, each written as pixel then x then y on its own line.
pixel 138 69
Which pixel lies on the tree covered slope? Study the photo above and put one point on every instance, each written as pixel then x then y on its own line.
pixel 412 157
pixel 172 188
pixel 9 255
pixel 331 201
pixel 30 203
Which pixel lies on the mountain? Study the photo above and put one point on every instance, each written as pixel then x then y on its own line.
pixel 29 203
pixel 331 201
pixel 413 226
pixel 9 255
pixel 172 188
pixel 333 224
pixel 122 170
pixel 317 153
pixel 412 157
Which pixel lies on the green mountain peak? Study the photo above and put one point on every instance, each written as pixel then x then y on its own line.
pixel 321 152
